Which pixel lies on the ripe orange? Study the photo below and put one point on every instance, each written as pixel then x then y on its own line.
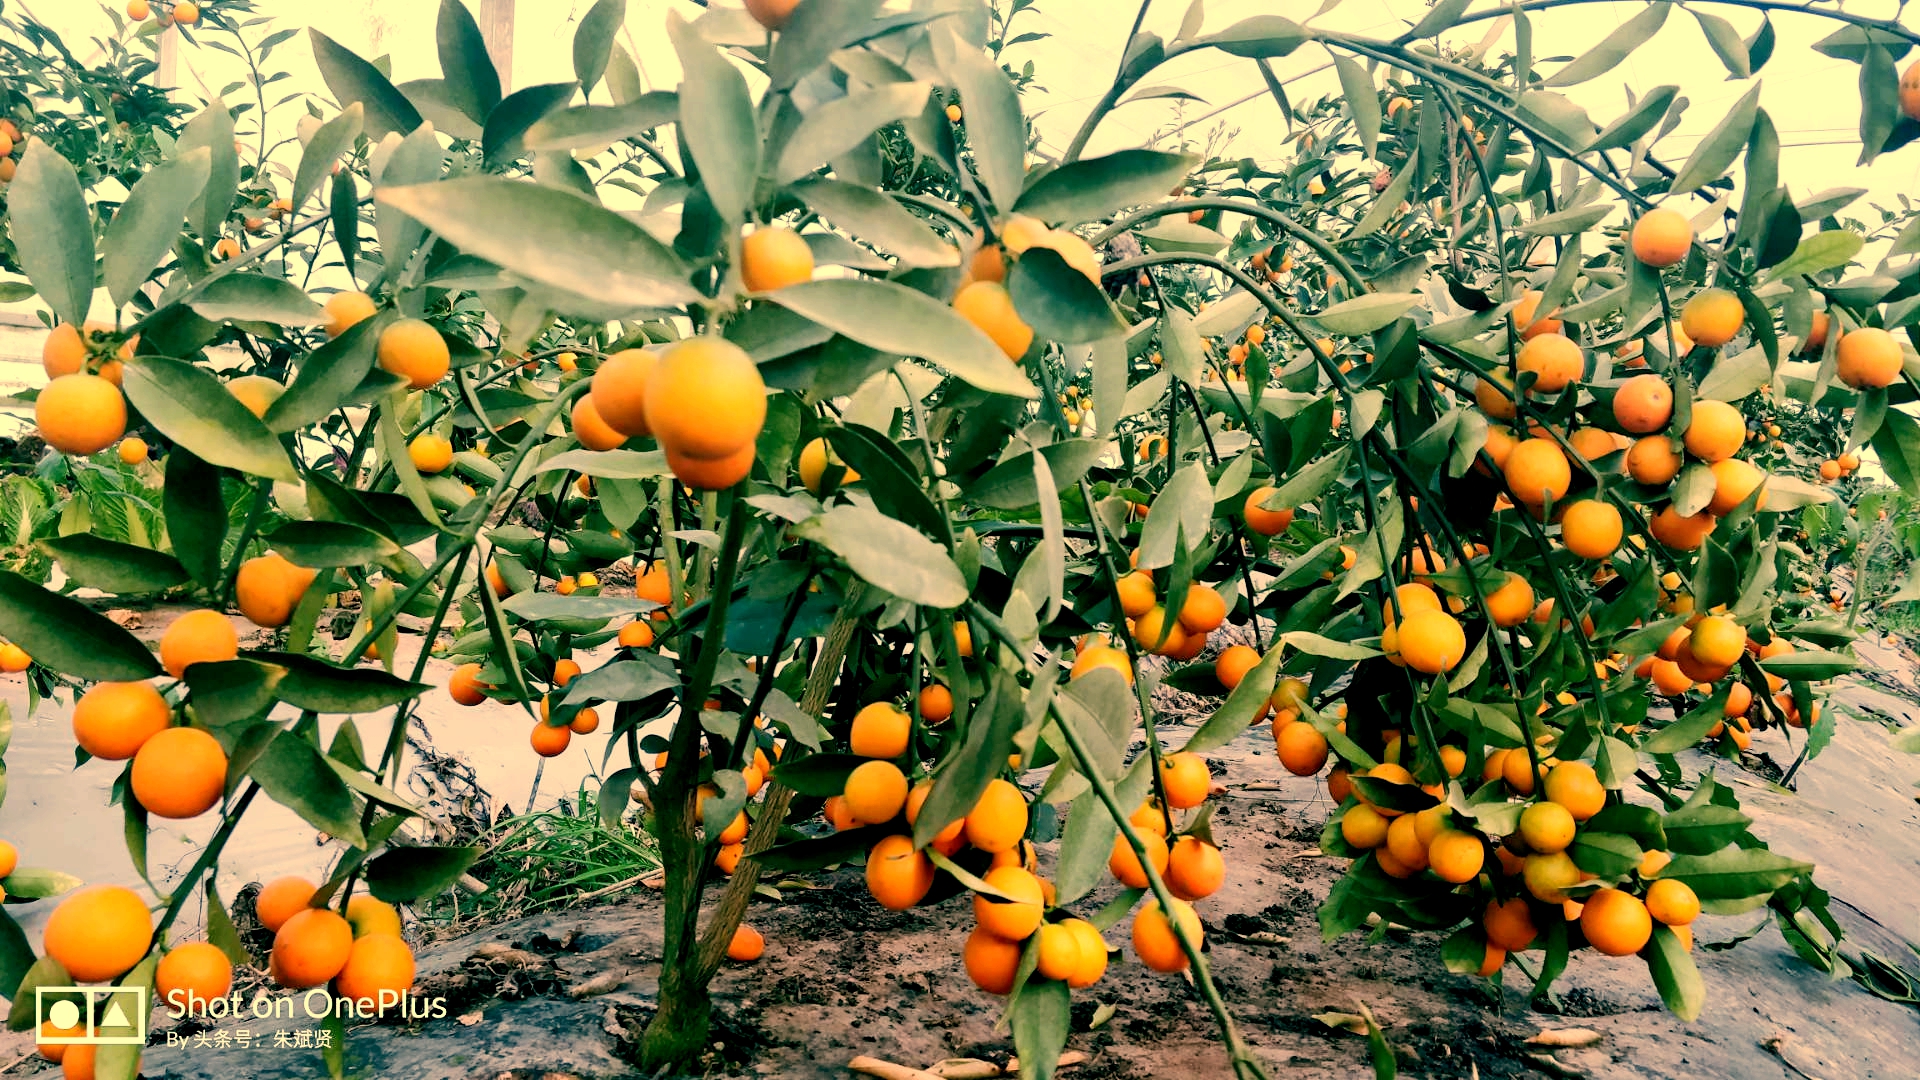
pixel 1195 869
pixel 203 636
pixel 812 467
pixel 465 685
pixel 1548 876
pixel 1062 952
pixel 1652 461
pixel 1662 237
pixel 1715 431
pixel 1203 611
pixel 1233 663
pixel 1431 641
pixel 1125 864
pixel 636 635
pixel 1512 602
pixel 80 414
pixel 879 731
pixel 268 588
pixel 1136 593
pixel 1099 656
pixel 1817 333
pixel 774 257
pixel 1014 921
pixel 282 899
pixel 1712 317
pixel 1643 404
pixel 1616 923
pixel 705 399
pixel 344 309
pixel 1185 780
pixel 1509 925
pixel 133 450
pixel 430 453
pixel 1547 827
pixel 1555 361
pixel 1537 470
pixel 1363 827
pixel 186 12
pixel 1157 632
pixel 898 876
pixel 1529 322
pixel 991 962
pixel 747 944
pixel 98 932
pixel 1404 846
pixel 1494 394
pixel 113 720
pixel 772 14
pixel 585 722
pixel 179 773
pixel 9 858
pixel 195 970
pixel 1456 856
pixel 999 819
pixel 1909 90
pixel 588 428
pixel 1155 940
pixel 549 741
pixel 1301 747
pixel 379 968
pixel 413 349
pixel 1518 771
pixel 1672 903
pixel 619 392
pixel 988 305
pixel 1679 532
pixel 1263 521
pixel 711 474
pixel 1591 529
pixel 1093 954
pixel 936 703
pixel 1869 357
pixel 310 948
pixel 1717 641
pixel 876 791
pixel 1591 443
pixel 1575 786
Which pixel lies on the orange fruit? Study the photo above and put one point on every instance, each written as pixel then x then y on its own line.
pixel 1136 593
pixel 203 636
pixel 879 731
pixel 1528 321
pixel 772 14
pixel 705 399
pixel 1869 357
pixel 1643 404
pixel 548 740
pixel 1830 470
pixel 133 450
pixel 379 969
pixel 1363 827
pixel 936 703
pixel 9 858
pixel 179 773
pixel 112 720
pixel 310 948
pixel 1014 921
pixel 1185 780
pixel 1591 529
pixel 1672 903
pixel 1195 869
pixel 876 791
pixel 1547 827
pixel 1616 923
pixel 1549 875
pixel 636 635
pixel 1093 954
pixel 1717 641
pixel 1404 846
pixel 193 974
pixel 588 428
pixel 430 453
pixel 281 899
pixel 1155 940
pixel 991 962
pixel 1432 641
pixel 1233 663
pixel 1519 772
pixel 619 391
pixel 465 685
pixel 774 257
pixel 812 467
pixel 1591 443
pixel 1456 856
pixel 1512 602
pixel 898 876
pixel 711 474
pixel 1261 520
pixel 1301 747
pixel 1653 461
pixel 988 305
pixel 1712 317
pixel 1681 532
pixel 1156 632
pixel 1203 611
pixel 1575 786
pixel 1715 431
pixel 1669 679
pixel 1062 952
pixel 344 309
pixel 746 945
pixel 186 12
pixel 414 350
pixel 1662 237
pixel 1555 361
pixel 98 932
pixel 999 819
pixel 80 414
pixel 1125 864
pixel 1509 924
pixel 585 722
pixel 268 588
pixel 1739 700
pixel 1537 470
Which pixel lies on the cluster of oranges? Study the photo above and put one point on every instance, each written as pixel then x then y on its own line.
pixel 184 12
pixel 702 400
pixel 12 145
pixel 1180 635
pixel 361 952
pixel 983 299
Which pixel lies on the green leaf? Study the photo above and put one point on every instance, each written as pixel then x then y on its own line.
pixel 1058 301
pixel 1688 730
pixel 1259 37
pixel 1725 41
pixel 472 84
pixel 329 377
pixel 1675 975
pixel 1184 505
pixel 1243 706
pixel 1809 666
pixel 889 555
pixel 1897 445
pixel 875 217
pixel 416 160
pixel 1733 873
pixel 1713 155
pixel 189 406
pixel 213 129
pixel 326 544
pixel 896 319
pixel 1736 376
pixel 1010 484
pixel 546 607
pixel 1356 86
pixel 293 772
pixel 335 137
pixel 1636 121
pixel 196 514
pixel 1879 102
pixel 585 126
pixel 1093 189
pixel 1365 314
pixel 1387 203
pixel 35 884
pixel 145 227
pixel 503 139
pixel 229 692
pixel 593 41
pixel 57 252
pixel 113 567
pixel 1313 644
pixel 995 128
pixel 1180 236
pixel 1040 1019
pixel 1307 484
pixel 1568 222
pixel 322 687
pixel 408 875
pixel 45 971
pixel 1821 251
pixel 256 298
pixel 1608 855
pixel 813 32
pixel 610 464
pixel 16 955
pixel 817 775
pixel 725 143
pixel 1613 48
pixel 550 236
pixel 832 128
pixel 352 79
pixel 68 636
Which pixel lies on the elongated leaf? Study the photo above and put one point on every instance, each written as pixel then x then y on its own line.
pixel 1365 314
pixel 599 125
pixel 995 127
pixel 893 318
pixel 815 31
pixel 1879 102
pixel 1258 38
pixel 408 875
pixel 472 84
pixel 593 41
pixel 1733 873
pixel 553 237
pixel 196 514
pixel 1363 101
pixel 1092 189
pixel 257 298
pixel 1010 484
pixel 1613 48
pixel 57 251
pixel 835 127
pixel 1821 251
pixel 1041 1018
pixel 293 772
pixel 877 218
pixel 1438 18
pixel 543 607
pixel 68 636
pixel 1636 121
pixel 213 129
pixel 889 555
pixel 1058 301
pixel 190 407
pixel 503 140
pixel 1725 42
pixel 1717 152
pixel 725 143
pixel 1675 975
pixel 148 223
pixel 114 567
pixel 329 376
pixel 335 137
pixel 1568 222
pixel 352 79
pixel 325 544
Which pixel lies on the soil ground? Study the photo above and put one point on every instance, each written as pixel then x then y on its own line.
pixel 844 977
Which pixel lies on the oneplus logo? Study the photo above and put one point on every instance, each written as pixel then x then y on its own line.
pixel 90 1015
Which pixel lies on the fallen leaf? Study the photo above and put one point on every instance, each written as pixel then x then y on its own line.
pixel 471 1018
pixel 1101 1015
pixel 1339 1021
pixel 603 983
pixel 1566 1038
pixel 964 1069
pixel 1552 1066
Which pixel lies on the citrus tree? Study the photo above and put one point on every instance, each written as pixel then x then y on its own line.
pixel 929 456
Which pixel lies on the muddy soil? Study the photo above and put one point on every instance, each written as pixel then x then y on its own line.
pixel 843 977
